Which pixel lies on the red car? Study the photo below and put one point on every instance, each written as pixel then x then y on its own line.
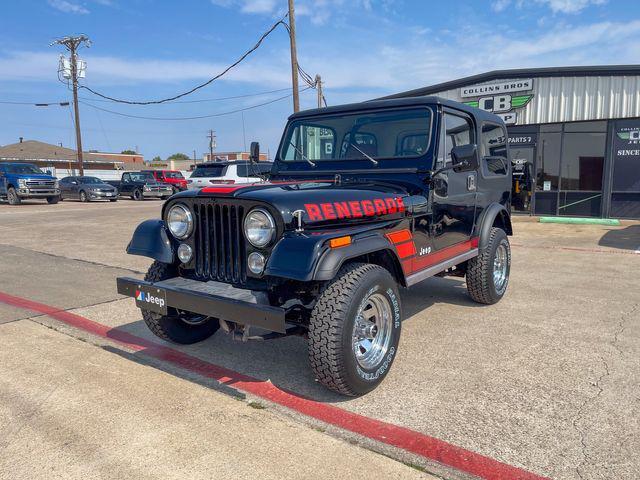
pixel 172 177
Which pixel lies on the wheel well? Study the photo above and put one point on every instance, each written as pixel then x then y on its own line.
pixel 386 259
pixel 503 221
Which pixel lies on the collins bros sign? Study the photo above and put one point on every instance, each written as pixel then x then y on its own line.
pixel 500 98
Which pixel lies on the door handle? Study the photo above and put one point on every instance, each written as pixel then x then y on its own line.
pixel 471 182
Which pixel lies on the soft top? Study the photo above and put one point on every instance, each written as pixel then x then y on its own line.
pixel 396 103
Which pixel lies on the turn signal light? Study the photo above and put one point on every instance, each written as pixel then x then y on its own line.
pixel 340 242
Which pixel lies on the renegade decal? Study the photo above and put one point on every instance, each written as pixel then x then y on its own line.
pixel 354 209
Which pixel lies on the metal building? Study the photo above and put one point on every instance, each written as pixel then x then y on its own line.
pixel 574 135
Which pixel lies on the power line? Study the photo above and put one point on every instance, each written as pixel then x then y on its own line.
pixel 198 87
pixel 203 100
pixel 36 104
pixel 238 110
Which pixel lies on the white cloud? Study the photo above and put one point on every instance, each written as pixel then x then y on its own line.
pixel 67 7
pixel 570 6
pixel 349 70
pixel 500 5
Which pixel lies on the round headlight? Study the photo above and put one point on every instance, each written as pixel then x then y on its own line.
pixel 180 221
pixel 256 262
pixel 259 228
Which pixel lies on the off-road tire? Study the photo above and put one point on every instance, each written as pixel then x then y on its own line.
pixel 53 200
pixel 12 197
pixel 171 327
pixel 480 283
pixel 113 199
pixel 137 195
pixel 82 196
pixel 331 353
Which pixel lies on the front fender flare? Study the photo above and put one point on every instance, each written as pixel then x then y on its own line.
pixel 151 239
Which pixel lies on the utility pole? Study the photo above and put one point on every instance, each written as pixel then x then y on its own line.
pixel 73 44
pixel 319 89
pixel 212 144
pixel 294 58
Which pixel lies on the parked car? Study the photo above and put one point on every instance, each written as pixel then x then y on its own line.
pixel 21 181
pixel 171 177
pixel 87 189
pixel 217 173
pixel 363 199
pixel 141 185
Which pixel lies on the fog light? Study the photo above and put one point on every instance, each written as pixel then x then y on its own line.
pixel 184 252
pixel 256 263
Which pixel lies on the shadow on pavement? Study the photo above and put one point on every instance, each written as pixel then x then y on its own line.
pixel 626 238
pixel 282 361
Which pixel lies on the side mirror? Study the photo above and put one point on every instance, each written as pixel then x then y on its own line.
pixel 464 158
pixel 254 155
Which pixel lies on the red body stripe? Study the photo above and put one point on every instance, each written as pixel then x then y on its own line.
pixel 443 255
pixel 428 447
pixel 406 249
pixel 400 236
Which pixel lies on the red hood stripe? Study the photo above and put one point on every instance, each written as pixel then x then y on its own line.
pixel 228 189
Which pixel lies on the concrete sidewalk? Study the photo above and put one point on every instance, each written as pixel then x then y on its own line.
pixel 72 410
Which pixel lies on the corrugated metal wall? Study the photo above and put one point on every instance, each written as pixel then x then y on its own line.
pixel 570 99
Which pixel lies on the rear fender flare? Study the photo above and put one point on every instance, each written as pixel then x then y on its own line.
pixel 151 239
pixel 487 219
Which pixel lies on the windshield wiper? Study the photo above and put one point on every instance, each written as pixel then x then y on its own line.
pixel 368 157
pixel 302 155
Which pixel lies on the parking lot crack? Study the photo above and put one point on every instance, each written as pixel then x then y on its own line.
pixel 581 411
pixel 621 326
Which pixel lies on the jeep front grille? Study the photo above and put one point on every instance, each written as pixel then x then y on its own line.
pixel 219 242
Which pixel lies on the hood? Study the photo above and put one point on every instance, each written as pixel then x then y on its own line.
pixel 33 176
pixel 324 202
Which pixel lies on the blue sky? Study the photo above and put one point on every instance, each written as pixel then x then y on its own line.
pixel 145 50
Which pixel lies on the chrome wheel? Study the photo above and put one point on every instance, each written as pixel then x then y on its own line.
pixel 372 331
pixel 500 268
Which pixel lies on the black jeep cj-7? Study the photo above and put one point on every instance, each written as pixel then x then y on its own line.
pixel 362 199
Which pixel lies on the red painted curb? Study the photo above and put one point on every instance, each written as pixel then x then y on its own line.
pixel 423 445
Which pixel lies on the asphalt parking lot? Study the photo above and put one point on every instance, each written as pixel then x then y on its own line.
pixel 547 381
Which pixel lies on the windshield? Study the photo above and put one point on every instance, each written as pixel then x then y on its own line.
pixel 90 180
pixel 384 134
pixel 24 168
pixel 173 175
pixel 209 171
pixel 142 177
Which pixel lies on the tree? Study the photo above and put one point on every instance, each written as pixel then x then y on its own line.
pixel 178 156
pixel 156 159
pixel 128 152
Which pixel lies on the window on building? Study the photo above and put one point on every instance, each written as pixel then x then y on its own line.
pixel 582 161
pixel 548 165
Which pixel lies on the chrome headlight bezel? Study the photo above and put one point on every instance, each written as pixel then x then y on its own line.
pixel 188 216
pixel 264 218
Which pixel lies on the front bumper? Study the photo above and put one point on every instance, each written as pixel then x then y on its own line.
pixel 214 299
pixel 37 192
pixel 157 193
pixel 102 195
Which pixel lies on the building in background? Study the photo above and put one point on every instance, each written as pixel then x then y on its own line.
pixel 229 156
pixel 574 135
pixel 46 155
